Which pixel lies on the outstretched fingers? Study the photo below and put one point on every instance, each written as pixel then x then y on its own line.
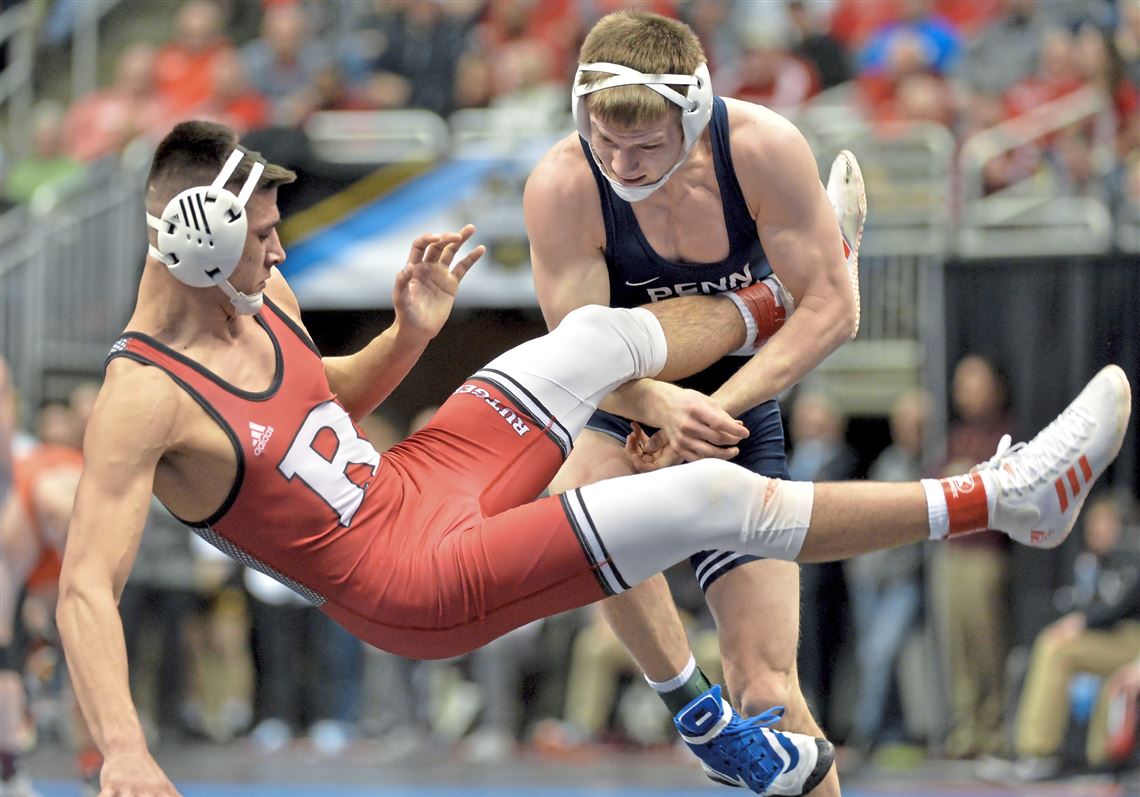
pixel 464 265
pixel 420 246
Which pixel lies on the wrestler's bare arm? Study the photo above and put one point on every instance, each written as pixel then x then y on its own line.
pixel 132 425
pixel 778 174
pixel 564 224
pixel 422 297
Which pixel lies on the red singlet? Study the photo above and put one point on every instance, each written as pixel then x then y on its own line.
pixel 429 552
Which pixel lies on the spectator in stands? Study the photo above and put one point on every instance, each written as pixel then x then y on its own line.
pixel 1098 634
pixel 812 43
pixel 820 453
pixel 886 587
pixel 1113 729
pixel 1098 63
pixel 185 74
pixel 937 42
pixel 219 704
pixel 497 671
pixel 972 573
pixel 474 80
pixel 717 26
pixel 102 122
pixel 1004 52
pixel 397 691
pixel 768 74
pixel 309 670
pixel 1056 75
pixel 284 62
pixel 552 26
pixel 904 80
pixel 232 100
pixel 56 425
pixel 48 165
pixel 421 46
pixel 1126 37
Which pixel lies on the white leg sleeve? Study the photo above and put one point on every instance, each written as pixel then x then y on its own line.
pixel 646 523
pixel 572 368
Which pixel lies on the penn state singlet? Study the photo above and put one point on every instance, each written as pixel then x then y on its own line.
pixel 638 275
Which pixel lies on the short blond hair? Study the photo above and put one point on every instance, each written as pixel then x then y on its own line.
pixel 649 43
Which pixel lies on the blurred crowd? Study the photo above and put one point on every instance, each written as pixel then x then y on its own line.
pixel 967 65
pixel 220 653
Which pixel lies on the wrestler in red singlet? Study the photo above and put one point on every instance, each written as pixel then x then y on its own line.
pixel 401 550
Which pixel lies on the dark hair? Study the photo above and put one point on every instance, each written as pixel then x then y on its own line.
pixel 194 152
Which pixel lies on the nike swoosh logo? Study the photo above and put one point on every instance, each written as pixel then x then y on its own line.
pixel 639 284
pixel 719 777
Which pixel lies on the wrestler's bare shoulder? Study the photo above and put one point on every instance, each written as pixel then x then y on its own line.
pixel 140 401
pixel 563 176
pixel 759 134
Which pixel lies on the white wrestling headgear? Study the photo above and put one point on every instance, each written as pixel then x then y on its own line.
pixel 696 110
pixel 201 234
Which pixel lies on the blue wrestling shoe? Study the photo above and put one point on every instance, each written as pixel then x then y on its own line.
pixel 745 752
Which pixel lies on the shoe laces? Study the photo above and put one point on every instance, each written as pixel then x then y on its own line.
pixel 744 724
pixel 1025 466
pixel 743 730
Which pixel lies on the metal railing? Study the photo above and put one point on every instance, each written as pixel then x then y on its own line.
pixel 19 26
pixel 68 269
pixel 1032 216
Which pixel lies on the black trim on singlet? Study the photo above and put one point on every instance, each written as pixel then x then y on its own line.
pixel 561 438
pixel 239 476
pixel 248 395
pixel 595 566
pixel 297 329
pixel 601 543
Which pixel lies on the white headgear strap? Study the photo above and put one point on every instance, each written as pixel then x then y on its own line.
pixel 695 104
pixel 202 231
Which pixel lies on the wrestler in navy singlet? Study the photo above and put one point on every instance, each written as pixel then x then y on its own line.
pixel 638 275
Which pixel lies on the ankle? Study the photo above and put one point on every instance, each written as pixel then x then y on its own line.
pixel 678 692
pixel 959 504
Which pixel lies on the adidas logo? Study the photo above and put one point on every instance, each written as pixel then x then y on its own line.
pixel 260 435
pixel 1074 483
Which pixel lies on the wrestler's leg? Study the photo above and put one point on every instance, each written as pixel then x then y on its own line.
pixel 568 371
pixel 760 661
pixel 645 617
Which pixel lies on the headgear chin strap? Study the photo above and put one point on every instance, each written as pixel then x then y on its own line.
pixel 696 110
pixel 201 234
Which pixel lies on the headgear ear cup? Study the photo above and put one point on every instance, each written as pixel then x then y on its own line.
pixel 696 111
pixel 202 233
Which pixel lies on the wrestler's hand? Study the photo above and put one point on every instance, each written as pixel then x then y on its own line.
pixel 695 425
pixel 647 453
pixel 134 775
pixel 426 287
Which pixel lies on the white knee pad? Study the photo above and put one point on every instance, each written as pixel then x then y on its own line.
pixel 779 519
pixel 651 521
pixel 593 351
pixel 617 334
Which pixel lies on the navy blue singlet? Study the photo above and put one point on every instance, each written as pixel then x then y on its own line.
pixel 638 275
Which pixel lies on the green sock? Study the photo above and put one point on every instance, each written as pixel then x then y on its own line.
pixel 678 697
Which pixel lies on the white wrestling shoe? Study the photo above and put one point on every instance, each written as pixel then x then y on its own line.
pixel 848 198
pixel 1041 485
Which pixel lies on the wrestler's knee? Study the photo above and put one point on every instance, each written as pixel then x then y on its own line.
pixel 612 334
pixel 759 687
